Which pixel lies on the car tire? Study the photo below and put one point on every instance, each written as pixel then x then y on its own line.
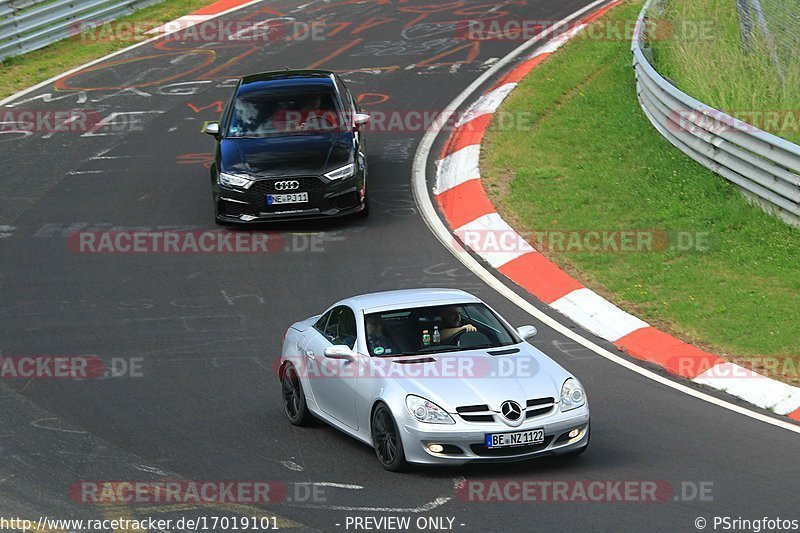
pixel 386 440
pixel 576 453
pixel 293 397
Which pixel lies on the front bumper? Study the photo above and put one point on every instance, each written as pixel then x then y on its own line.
pixel 464 441
pixel 325 199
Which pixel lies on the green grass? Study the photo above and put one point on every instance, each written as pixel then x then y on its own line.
pixel 714 67
pixel 20 72
pixel 593 161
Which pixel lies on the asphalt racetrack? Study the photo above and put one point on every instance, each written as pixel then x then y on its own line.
pixel 193 337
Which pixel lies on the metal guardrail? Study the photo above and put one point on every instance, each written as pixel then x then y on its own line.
pixel 764 166
pixel 27 25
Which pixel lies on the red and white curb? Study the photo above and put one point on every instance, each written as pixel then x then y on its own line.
pixel 473 219
pixel 201 15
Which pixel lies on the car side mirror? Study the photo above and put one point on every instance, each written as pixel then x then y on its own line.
pixel 339 351
pixel 212 128
pixel 526 331
pixel 360 119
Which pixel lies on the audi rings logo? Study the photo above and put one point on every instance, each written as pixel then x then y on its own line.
pixel 287 185
pixel 511 410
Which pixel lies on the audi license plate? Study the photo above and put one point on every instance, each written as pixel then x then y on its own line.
pixel 518 438
pixel 293 198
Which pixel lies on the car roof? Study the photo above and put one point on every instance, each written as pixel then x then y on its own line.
pixel 409 298
pixel 286 80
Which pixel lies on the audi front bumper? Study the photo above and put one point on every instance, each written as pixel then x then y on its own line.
pixel 326 198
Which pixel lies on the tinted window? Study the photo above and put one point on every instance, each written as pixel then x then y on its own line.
pixel 263 114
pixel 341 326
pixel 319 325
pixel 460 327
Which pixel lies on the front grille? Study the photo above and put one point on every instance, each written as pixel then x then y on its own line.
pixel 478 418
pixel 257 194
pixel 538 412
pixel 540 401
pixel 472 408
pixel 481 413
pixel 307 184
pixel 483 451
pixel 538 407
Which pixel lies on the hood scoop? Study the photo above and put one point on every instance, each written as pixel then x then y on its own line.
pixel 507 351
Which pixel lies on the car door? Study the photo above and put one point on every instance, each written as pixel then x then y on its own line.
pixel 334 379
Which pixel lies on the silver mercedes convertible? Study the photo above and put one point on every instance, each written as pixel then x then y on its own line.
pixel 431 376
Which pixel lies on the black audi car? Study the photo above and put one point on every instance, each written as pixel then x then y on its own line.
pixel 289 146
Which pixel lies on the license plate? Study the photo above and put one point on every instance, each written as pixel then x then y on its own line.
pixel 518 438
pixel 293 198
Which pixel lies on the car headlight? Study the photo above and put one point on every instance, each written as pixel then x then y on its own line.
pixel 572 395
pixel 233 180
pixel 341 173
pixel 427 411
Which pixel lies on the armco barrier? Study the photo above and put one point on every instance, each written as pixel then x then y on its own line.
pixel 764 166
pixel 27 25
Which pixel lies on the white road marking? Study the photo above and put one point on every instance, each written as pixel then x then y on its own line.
pixel 332 484
pixel 6 231
pixel 41 424
pixel 438 502
pixel 291 465
pixel 437 227
pixel 152 470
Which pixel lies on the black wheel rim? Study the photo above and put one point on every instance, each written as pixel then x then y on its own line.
pixel 291 393
pixel 385 437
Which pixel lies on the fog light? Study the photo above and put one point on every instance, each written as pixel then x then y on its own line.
pixel 574 433
pixel 435 448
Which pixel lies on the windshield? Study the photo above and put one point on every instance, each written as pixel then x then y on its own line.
pixel 269 113
pixel 439 329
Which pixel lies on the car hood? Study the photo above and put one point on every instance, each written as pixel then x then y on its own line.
pixel 290 155
pixel 490 380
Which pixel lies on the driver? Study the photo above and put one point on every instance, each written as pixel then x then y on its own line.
pixel 314 116
pixel 377 342
pixel 309 116
pixel 452 324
